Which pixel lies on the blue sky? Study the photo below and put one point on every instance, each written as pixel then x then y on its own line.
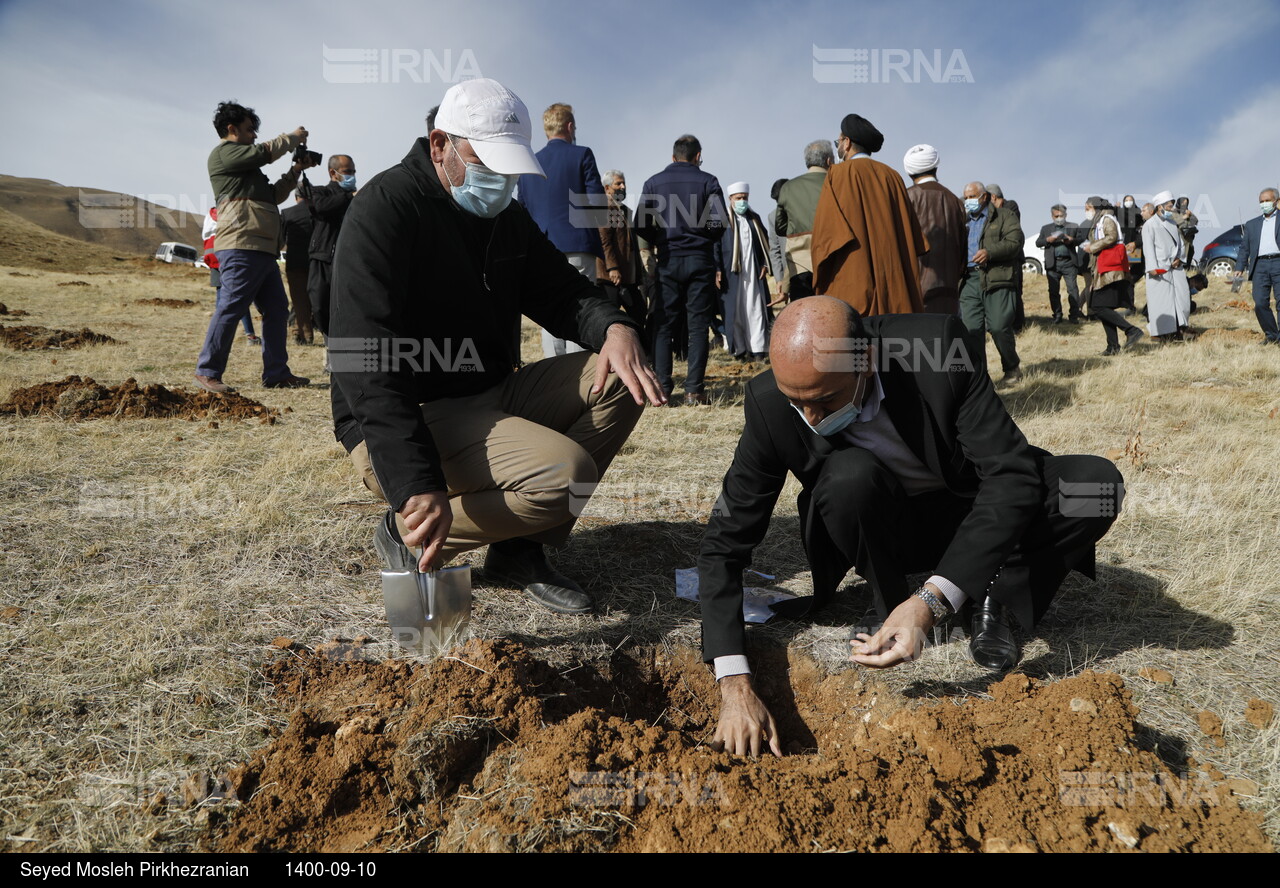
pixel 1106 97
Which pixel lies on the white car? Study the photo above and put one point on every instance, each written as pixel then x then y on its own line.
pixel 173 252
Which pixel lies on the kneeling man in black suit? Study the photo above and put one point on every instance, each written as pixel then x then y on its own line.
pixel 909 462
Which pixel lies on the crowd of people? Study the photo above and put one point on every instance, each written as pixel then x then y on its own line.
pixel 906 466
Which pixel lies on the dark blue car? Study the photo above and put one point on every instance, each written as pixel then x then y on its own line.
pixel 1218 257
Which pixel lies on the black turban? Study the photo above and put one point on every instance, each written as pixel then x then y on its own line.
pixel 860 130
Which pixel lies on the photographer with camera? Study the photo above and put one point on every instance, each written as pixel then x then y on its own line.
pixel 248 244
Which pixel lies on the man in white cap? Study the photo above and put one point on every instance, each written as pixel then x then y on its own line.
pixel 744 252
pixel 942 222
pixel 468 448
pixel 1164 258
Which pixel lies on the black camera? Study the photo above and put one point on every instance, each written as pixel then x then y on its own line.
pixel 303 156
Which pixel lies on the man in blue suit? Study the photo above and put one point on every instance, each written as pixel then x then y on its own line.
pixel 567 204
pixel 1259 261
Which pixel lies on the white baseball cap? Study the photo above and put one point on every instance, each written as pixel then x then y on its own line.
pixel 496 123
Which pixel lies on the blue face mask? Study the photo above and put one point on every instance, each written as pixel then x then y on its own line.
pixel 483 192
pixel 347 183
pixel 972 205
pixel 833 423
pixel 740 207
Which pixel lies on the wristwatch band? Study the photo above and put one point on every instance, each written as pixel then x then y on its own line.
pixel 936 606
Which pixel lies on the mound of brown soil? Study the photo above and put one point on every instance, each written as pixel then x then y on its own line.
pixel 167 303
pixel 14 312
pixel 76 398
pixel 492 749
pixel 36 338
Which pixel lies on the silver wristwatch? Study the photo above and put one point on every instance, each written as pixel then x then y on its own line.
pixel 936 607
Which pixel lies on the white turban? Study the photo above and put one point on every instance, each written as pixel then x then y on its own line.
pixel 920 158
pixel 738 188
pixel 1162 198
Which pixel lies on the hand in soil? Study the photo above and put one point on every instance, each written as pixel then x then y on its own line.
pixel 900 638
pixel 745 722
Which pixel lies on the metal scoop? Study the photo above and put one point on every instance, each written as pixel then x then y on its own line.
pixel 427 611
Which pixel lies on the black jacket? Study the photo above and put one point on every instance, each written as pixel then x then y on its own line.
pixel 328 205
pixel 951 419
pixel 1047 231
pixel 297 226
pixel 682 212
pixel 415 276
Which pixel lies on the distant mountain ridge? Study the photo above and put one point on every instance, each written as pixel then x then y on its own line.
pixel 118 222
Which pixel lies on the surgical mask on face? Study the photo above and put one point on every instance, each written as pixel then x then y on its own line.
pixel 620 195
pixel 347 183
pixel 1059 221
pixel 1129 204
pixel 1166 214
pixel 483 192
pixel 832 423
pixel 1089 214
pixel 1267 207
pixel 740 207
pixel 972 205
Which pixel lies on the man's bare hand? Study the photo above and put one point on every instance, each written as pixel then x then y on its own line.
pixel 746 725
pixel 615 277
pixel 428 517
pixel 900 638
pixel 980 257
pixel 622 354
pixel 301 133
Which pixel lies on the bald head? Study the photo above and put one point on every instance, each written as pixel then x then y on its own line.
pixel 819 355
pixel 974 189
pixel 805 321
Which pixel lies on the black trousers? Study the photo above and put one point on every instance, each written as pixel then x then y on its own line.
pixel 878 529
pixel 1065 272
pixel 319 279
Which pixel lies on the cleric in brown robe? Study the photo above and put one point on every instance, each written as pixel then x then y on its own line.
pixel 867 241
pixel 942 219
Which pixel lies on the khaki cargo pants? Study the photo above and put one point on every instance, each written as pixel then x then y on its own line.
pixel 521 459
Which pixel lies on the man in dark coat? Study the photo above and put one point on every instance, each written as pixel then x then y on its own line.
pixel 908 461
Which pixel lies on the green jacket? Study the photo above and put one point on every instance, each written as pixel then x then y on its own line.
pixel 1002 238
pixel 248 215
pixel 797 203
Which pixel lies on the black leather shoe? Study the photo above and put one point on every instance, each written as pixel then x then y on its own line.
pixel 1111 351
pixel 991 639
pixel 1132 337
pixel 386 539
pixel 523 564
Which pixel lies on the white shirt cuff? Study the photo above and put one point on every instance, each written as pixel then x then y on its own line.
pixel 950 591
pixel 735 664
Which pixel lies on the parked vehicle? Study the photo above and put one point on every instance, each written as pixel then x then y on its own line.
pixel 1032 257
pixel 173 252
pixel 1218 257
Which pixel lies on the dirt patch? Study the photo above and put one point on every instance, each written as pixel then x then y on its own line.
pixel 75 284
pixel 167 303
pixel 1259 713
pixel 1159 676
pixel 1211 724
pixel 13 312
pixel 1232 334
pixel 76 398
pixel 39 338
pixel 492 749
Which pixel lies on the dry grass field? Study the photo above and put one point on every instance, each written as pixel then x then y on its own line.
pixel 148 565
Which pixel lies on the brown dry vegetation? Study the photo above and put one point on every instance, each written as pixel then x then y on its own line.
pixel 149 564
